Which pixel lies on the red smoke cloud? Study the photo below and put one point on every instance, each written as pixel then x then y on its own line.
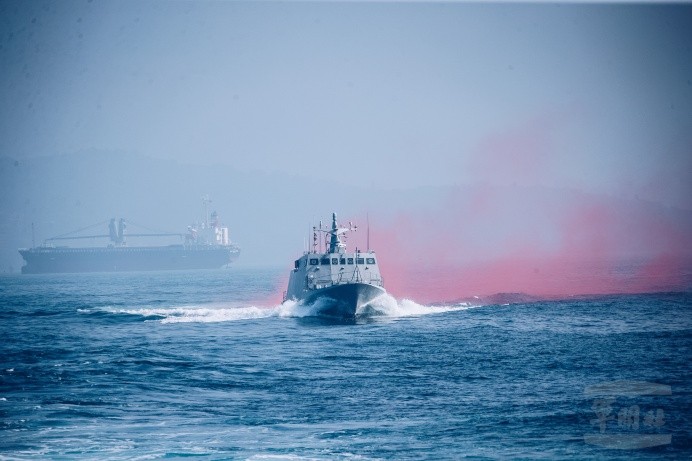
pixel 542 242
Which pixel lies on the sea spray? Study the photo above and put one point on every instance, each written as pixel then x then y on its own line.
pixel 385 306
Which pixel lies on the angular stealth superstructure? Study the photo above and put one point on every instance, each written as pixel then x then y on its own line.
pixel 340 284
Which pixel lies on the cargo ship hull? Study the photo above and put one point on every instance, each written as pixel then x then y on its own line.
pixel 121 259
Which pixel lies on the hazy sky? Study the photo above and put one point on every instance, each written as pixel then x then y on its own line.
pixel 597 97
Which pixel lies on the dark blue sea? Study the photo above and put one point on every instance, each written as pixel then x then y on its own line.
pixel 205 364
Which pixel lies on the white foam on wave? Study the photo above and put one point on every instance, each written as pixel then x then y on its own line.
pixel 387 305
pixel 207 313
pixel 383 306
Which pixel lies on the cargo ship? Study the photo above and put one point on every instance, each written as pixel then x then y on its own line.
pixel 205 245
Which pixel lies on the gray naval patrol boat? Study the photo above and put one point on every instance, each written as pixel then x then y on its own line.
pixel 338 283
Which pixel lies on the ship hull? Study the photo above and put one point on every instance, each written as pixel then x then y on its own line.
pixel 124 259
pixel 344 300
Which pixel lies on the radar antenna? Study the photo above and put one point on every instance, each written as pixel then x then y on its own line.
pixel 335 245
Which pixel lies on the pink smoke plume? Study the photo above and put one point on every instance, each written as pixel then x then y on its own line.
pixel 519 230
pixel 543 242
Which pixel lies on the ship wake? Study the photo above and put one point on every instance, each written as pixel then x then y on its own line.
pixel 382 307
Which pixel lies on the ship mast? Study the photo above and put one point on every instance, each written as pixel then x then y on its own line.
pixel 206 201
pixel 335 243
pixel 367 218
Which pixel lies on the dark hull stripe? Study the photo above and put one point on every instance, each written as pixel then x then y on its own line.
pixel 343 300
pixel 40 261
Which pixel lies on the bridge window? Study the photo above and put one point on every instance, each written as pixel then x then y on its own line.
pixel 297 263
pixel 371 260
pixel 314 262
pixel 335 261
pixel 342 261
pixel 360 261
pixel 350 261
pixel 324 261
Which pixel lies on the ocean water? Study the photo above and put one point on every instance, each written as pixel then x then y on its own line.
pixel 207 364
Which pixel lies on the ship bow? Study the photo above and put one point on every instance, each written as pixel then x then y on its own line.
pixel 344 300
